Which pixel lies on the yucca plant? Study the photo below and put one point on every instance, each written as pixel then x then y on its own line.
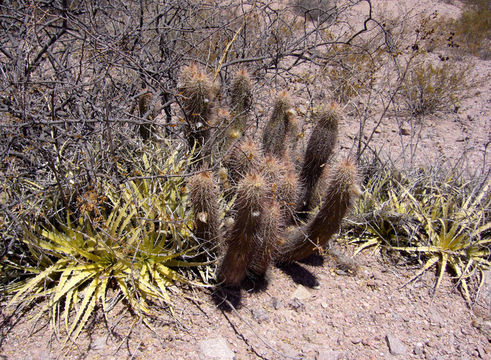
pixel 454 231
pixel 139 248
pixel 381 217
pixel 443 220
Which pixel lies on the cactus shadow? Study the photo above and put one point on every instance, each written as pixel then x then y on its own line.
pixel 299 274
pixel 313 260
pixel 227 298
pixel 255 283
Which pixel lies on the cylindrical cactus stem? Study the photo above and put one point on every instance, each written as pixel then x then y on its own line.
pixel 244 158
pixel 320 188
pixel 281 175
pixel 267 239
pixel 204 194
pixel 216 139
pixel 225 135
pixel 241 97
pixel 147 115
pixel 278 126
pixel 302 242
pixel 252 197
pixel 198 92
pixel 319 149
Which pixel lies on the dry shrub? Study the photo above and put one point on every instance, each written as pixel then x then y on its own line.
pixel 473 28
pixel 429 88
pixel 469 33
pixel 351 72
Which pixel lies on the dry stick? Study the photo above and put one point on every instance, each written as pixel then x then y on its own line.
pixel 229 44
pixel 254 331
pixel 234 328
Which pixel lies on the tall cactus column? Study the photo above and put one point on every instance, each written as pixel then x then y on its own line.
pixel 319 150
pixel 303 241
pixel 244 236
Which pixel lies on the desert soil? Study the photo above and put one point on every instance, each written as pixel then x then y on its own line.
pixel 307 311
pixel 312 310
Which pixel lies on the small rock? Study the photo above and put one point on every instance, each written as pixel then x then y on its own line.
pixel 356 340
pixel 330 355
pixel 324 305
pixel 301 110
pixel 216 348
pixel 301 293
pixel 276 303
pixel 297 305
pixel 404 132
pixel 98 344
pixel 396 346
pixel 418 349
pixel 260 315
pixel 436 319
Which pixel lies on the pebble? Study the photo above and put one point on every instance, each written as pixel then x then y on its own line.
pixel 330 355
pixel 215 349
pixel 356 340
pixel 418 349
pixel 260 315
pixel 396 346
pixel 276 303
pixel 301 293
pixel 404 132
pixel 297 305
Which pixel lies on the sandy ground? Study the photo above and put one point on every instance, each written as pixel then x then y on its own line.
pixel 308 311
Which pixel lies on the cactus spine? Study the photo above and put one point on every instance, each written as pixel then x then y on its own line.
pixel 241 96
pixel 279 126
pixel 284 182
pixel 244 158
pixel 268 239
pixel 319 150
pixel 243 237
pixel 203 192
pixel 198 94
pixel 302 242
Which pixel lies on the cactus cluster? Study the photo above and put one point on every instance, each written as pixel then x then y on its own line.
pixel 272 203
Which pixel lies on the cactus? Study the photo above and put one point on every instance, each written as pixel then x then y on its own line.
pixel 269 200
pixel 244 158
pixel 243 237
pixel 146 112
pixel 204 195
pixel 267 241
pixel 241 97
pixel 284 182
pixel 198 93
pixel 279 126
pixel 302 242
pixel 319 150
